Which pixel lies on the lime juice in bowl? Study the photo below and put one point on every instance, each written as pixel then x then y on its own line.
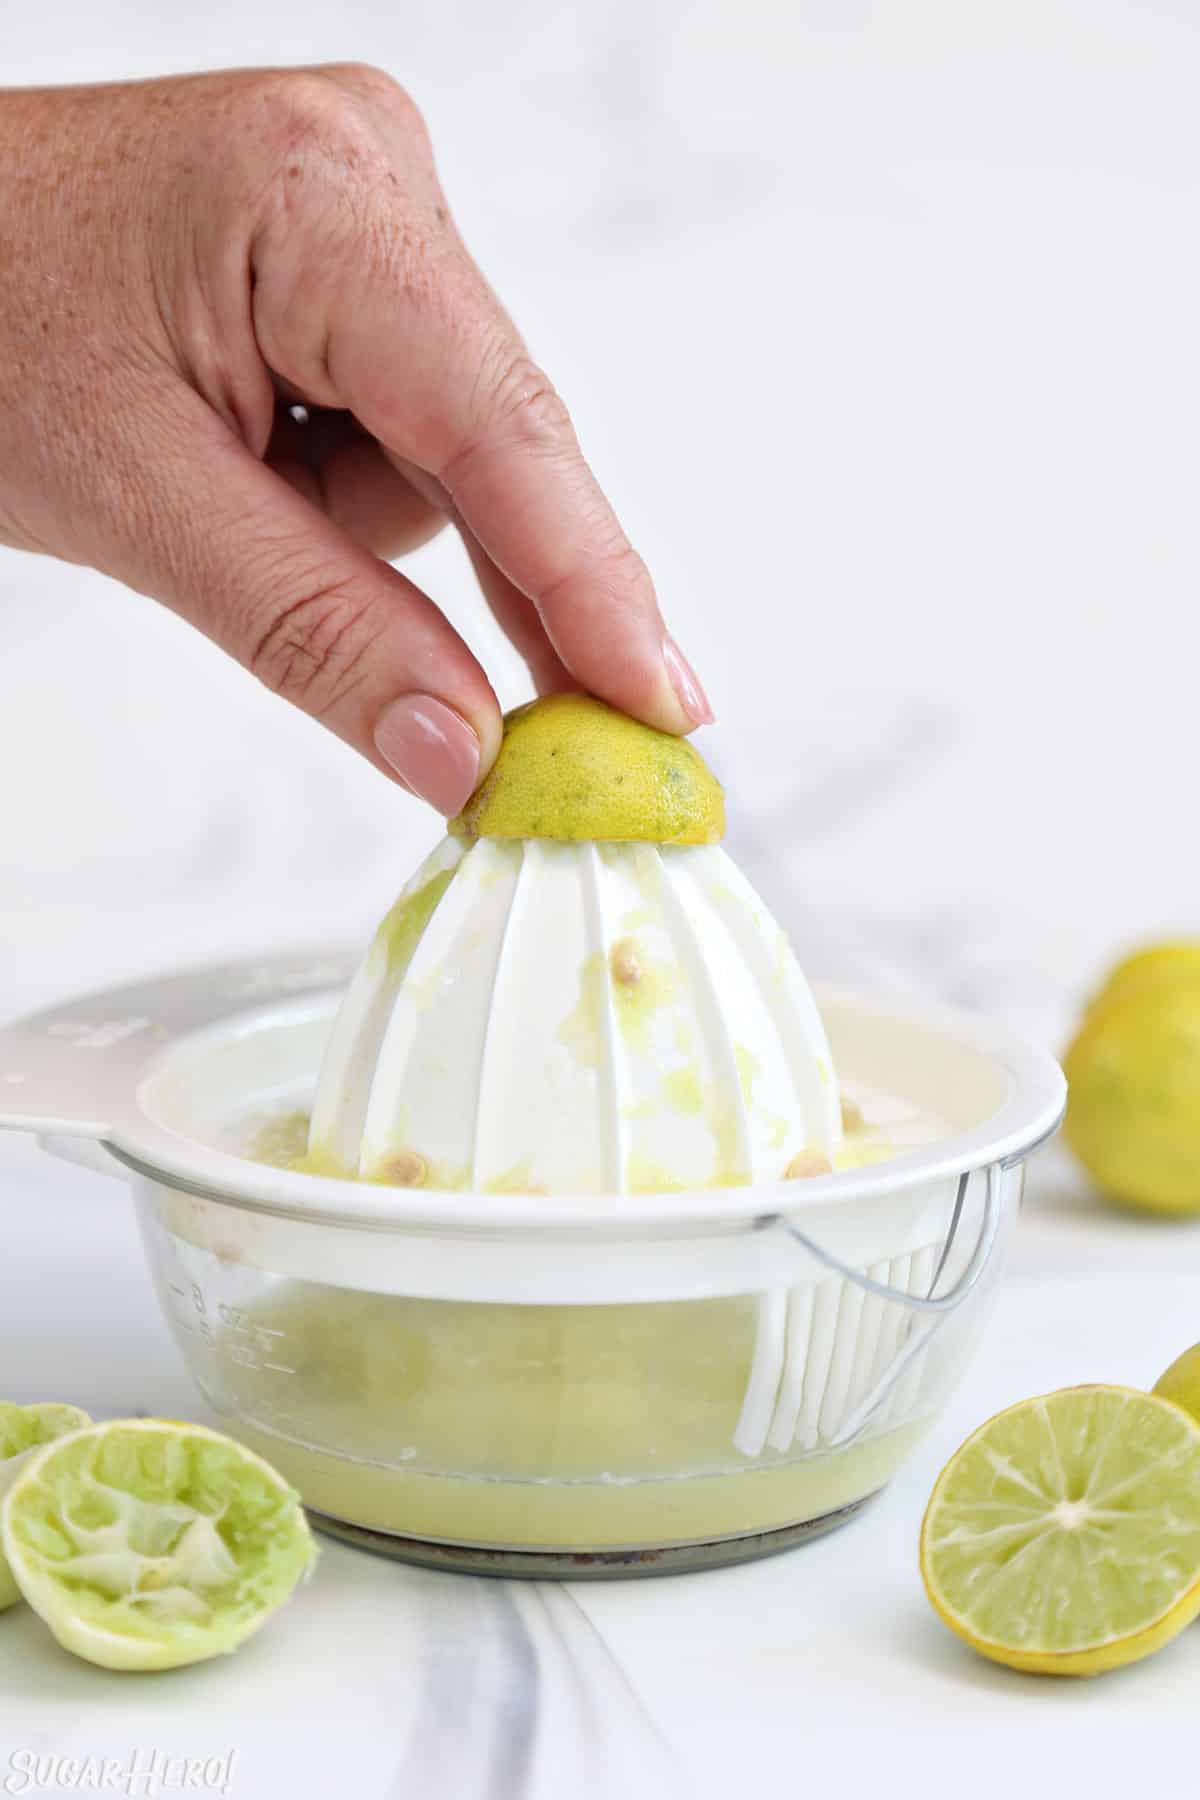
pixel 573 1224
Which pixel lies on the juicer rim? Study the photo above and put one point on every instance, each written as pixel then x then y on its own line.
pixel 72 1092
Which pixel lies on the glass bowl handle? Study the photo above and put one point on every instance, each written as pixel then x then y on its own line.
pixel 925 1303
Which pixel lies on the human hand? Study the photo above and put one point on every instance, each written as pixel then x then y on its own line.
pixel 184 261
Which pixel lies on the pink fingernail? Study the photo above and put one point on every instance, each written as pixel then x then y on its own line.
pixel 432 749
pixel 684 680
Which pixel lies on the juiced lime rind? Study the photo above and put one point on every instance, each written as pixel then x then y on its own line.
pixel 27 1427
pixel 24 1429
pixel 1064 1536
pixel 146 1544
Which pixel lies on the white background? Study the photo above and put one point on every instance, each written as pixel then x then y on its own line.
pixel 880 324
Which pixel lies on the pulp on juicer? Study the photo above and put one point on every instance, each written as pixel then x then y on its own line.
pixel 584 1001
pixel 574 1014
pixel 577 1018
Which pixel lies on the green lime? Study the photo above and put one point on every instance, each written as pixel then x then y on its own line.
pixel 1064 1536
pixel 147 1543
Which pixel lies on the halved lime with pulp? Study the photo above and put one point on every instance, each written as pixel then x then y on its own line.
pixel 147 1543
pixel 1064 1536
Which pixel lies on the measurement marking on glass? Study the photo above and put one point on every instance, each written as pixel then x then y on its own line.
pixel 236 1320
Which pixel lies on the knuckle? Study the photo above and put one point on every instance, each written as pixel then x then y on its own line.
pixel 349 150
pixel 349 202
pixel 616 572
pixel 526 403
pixel 378 86
pixel 366 77
pixel 517 406
pixel 313 116
pixel 342 109
pixel 313 648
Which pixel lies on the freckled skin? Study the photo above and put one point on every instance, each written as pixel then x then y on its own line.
pixel 184 263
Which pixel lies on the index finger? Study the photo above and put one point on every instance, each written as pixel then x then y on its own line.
pixel 438 373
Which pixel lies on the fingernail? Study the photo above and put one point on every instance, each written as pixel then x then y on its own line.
pixel 432 749
pixel 690 694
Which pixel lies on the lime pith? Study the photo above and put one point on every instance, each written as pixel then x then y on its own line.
pixel 24 1429
pixel 147 1544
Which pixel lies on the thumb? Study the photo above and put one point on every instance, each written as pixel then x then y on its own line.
pixel 241 555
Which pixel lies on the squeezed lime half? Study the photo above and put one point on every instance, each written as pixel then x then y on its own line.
pixel 148 1543
pixel 24 1429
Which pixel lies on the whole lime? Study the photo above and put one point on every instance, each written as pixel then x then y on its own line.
pixel 1181 1382
pixel 1133 1116
pixel 1165 962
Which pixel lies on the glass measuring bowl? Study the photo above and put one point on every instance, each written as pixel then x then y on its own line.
pixel 535 1384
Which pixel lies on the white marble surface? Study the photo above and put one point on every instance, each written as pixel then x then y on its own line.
pixel 879 322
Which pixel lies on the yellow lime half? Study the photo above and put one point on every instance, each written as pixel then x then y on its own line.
pixel 572 768
pixel 23 1429
pixel 1064 1536
pixel 147 1543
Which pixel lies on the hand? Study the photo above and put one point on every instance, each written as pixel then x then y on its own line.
pixel 183 264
